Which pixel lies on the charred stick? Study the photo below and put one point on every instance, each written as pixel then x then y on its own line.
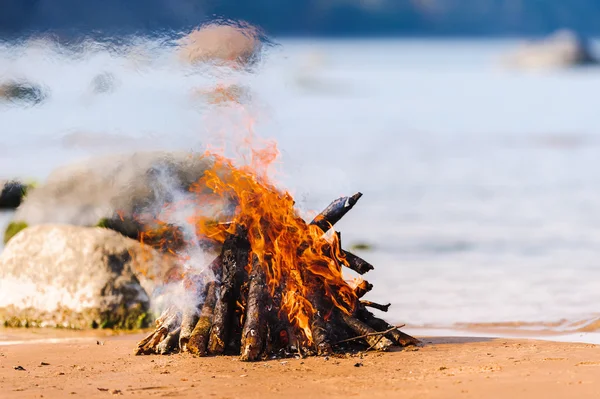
pixel 375 334
pixel 350 260
pixel 199 338
pixel 394 334
pixel 170 343
pixel 188 323
pixel 234 256
pixel 356 263
pixel 317 322
pixel 370 335
pixel 195 290
pixel 319 332
pixel 383 308
pixel 335 211
pixel 166 323
pixel 362 288
pixel 240 295
pixel 254 332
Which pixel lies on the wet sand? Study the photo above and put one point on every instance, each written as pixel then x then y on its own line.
pixel 447 367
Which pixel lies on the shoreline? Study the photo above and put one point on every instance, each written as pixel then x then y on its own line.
pixel 20 336
pixel 459 366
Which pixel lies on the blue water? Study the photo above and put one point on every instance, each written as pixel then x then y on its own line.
pixel 481 184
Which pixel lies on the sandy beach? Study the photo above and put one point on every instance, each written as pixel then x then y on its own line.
pixel 87 365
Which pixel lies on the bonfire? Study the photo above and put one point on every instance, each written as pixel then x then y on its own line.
pixel 277 288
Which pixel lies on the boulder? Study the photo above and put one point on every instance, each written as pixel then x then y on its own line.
pixel 11 193
pixel 232 45
pixel 104 83
pixel 563 49
pixel 113 191
pixel 78 277
pixel 22 93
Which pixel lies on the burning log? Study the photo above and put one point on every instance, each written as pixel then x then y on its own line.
pixel 357 264
pixel 188 323
pixel 234 258
pixel 254 332
pixel 193 285
pixel 318 326
pixel 199 339
pixel 362 288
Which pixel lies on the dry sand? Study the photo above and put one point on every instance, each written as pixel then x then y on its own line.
pixel 442 368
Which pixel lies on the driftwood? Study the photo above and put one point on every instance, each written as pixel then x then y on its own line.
pixel 239 313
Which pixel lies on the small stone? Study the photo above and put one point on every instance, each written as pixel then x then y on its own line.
pixel 443 368
pixel 102 389
pixel 359 364
pixel 20 368
pixel 44 364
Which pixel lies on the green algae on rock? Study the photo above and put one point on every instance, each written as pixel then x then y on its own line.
pixel 13 229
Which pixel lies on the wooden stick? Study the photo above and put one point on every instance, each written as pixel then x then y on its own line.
pixel 373 334
pixel 254 332
pixel 350 260
pixel 383 308
pixel 335 211
pixel 362 288
pixel 195 288
pixel 167 322
pixel 395 335
pixel 199 339
pixel 170 343
pixel 234 252
pixel 367 333
pixel 356 263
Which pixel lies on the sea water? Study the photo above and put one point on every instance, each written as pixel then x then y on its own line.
pixel 481 184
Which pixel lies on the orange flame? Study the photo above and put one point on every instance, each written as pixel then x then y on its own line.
pixel 299 262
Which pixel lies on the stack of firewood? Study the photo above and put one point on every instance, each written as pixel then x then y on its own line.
pixel 240 313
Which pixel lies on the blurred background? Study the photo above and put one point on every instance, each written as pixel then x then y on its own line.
pixel 471 127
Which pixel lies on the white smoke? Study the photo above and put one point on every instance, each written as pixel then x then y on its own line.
pixel 176 206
